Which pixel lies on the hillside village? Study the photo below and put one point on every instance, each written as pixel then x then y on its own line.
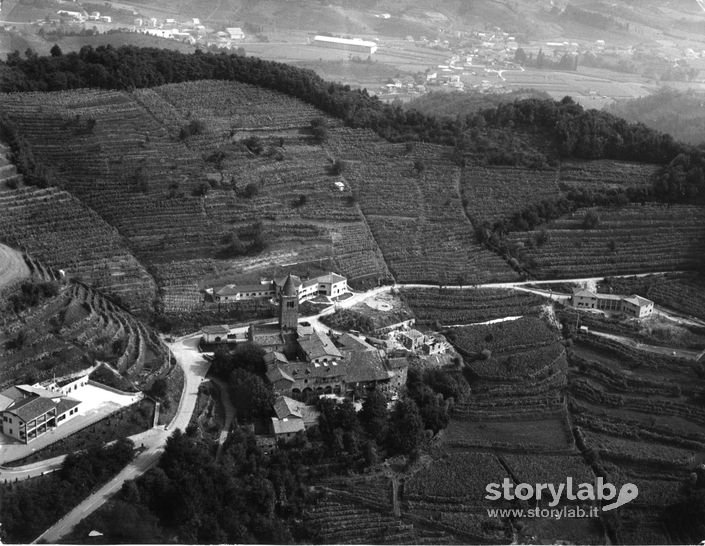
pixel 363 317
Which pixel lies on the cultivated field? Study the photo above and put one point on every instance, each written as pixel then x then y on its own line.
pixel 66 333
pixel 453 307
pixel 632 239
pixel 639 418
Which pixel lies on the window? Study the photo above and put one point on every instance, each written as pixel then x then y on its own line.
pixel 290 304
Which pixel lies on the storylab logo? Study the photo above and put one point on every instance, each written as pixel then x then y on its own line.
pixel 555 493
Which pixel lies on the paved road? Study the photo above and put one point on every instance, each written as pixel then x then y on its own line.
pixel 12 266
pixel 228 409
pixel 195 368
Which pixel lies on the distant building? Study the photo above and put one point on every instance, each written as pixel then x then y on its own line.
pixel 235 33
pixel 355 45
pixel 634 306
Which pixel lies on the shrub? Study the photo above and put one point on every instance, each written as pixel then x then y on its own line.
pixel 194 127
pixel 319 128
pixel 337 168
pixel 254 144
pixel 591 220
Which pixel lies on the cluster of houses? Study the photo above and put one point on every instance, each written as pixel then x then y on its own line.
pixel 29 411
pixel 633 306
pixel 304 363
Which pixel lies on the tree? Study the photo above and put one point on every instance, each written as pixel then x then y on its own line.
pixel 374 416
pixel 254 144
pixel 520 56
pixel 338 167
pixel 319 128
pixel 56 51
pixel 419 166
pixel 158 389
pixel 591 220
pixel 250 395
pixel 405 427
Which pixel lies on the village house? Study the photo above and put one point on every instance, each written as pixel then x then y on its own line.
pixel 633 306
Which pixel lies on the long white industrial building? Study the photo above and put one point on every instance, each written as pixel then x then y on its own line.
pixel 348 44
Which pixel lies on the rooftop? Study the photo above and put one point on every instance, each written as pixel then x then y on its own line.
pixel 330 278
pixel 234 289
pixel 216 329
pixel 319 345
pixel 30 408
pixel 66 404
pixel 287 426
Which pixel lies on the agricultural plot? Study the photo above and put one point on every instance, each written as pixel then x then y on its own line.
pixel 453 307
pixel 109 151
pixel 68 332
pixel 495 193
pixel 413 207
pixel 450 491
pixel 604 174
pixel 538 435
pixel 57 228
pixel 627 240
pixel 640 414
pixel 503 337
pixel 527 468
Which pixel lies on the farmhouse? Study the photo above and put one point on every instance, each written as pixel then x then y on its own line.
pixel 29 411
pixel 355 45
pixel 633 306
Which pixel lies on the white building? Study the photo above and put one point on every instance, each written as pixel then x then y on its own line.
pixel 348 44
pixel 235 33
pixel 634 306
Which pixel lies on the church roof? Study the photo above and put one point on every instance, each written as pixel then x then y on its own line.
pixel 289 288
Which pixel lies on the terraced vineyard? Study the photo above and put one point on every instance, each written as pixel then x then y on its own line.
pixel 640 418
pixel 62 232
pixel 603 174
pixel 417 218
pixel 68 332
pixel 633 239
pixel 496 193
pixel 453 307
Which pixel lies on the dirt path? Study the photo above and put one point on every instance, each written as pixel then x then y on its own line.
pixel 12 266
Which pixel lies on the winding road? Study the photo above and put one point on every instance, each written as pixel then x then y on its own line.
pixel 12 266
pixel 195 368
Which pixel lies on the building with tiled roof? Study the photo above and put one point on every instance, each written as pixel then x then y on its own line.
pixel 34 411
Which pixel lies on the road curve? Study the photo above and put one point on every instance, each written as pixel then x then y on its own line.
pixel 195 368
pixel 12 266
